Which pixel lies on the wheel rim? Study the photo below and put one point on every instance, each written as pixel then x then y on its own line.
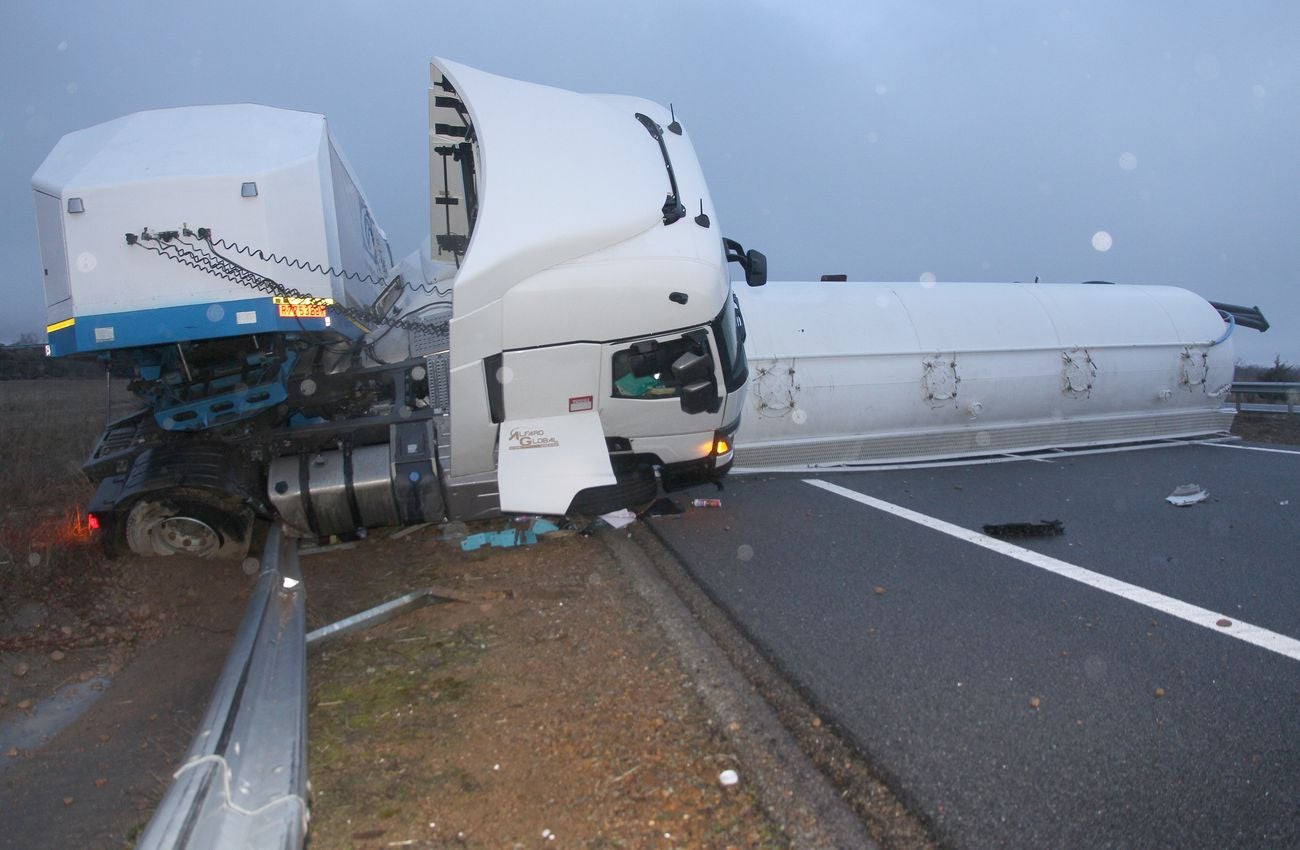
pixel 185 535
pixel 156 528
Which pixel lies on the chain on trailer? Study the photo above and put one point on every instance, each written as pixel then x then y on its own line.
pixel 204 257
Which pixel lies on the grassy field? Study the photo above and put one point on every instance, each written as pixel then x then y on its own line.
pixel 47 428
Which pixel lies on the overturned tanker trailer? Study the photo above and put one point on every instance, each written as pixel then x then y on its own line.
pixel 868 373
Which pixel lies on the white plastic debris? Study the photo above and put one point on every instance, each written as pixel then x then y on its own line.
pixel 1187 494
pixel 728 778
pixel 619 519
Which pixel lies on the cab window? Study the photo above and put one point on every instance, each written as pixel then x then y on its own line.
pixel 660 368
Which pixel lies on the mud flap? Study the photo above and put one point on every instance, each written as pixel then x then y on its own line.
pixel 543 463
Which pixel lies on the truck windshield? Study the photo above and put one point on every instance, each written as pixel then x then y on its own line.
pixel 729 330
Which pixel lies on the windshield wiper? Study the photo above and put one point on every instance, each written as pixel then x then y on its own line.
pixel 673 208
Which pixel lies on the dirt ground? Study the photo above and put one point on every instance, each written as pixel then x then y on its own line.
pixel 549 713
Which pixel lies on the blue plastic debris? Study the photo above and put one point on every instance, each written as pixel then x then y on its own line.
pixel 515 535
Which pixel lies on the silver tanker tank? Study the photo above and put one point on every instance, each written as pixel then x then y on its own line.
pixel 861 373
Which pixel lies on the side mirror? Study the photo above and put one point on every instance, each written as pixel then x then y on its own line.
pixel 700 397
pixel 691 368
pixel 753 262
pixel 755 268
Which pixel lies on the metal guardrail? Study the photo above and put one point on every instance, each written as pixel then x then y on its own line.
pixel 373 616
pixel 1288 391
pixel 244 782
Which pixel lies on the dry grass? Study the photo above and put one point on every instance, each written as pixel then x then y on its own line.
pixel 47 428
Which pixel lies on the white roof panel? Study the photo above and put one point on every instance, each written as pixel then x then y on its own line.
pixel 235 139
pixel 561 175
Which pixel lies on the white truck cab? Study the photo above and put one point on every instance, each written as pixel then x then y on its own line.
pixel 589 280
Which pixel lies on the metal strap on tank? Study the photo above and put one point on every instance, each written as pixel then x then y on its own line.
pixel 304 490
pixel 351 490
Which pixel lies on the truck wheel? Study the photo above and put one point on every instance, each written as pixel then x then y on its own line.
pixel 187 525
pixel 637 489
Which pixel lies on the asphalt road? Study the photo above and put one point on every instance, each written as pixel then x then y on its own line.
pixel 1013 706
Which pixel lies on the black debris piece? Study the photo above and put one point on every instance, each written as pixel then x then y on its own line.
pixel 1011 530
pixel 663 507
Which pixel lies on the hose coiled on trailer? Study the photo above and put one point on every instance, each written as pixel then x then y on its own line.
pixel 203 256
pixel 308 266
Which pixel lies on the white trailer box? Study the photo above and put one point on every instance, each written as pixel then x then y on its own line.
pixel 267 184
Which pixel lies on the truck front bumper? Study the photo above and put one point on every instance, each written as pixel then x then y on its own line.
pixel 708 469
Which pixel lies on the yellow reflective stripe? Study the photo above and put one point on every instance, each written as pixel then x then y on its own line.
pixel 58 326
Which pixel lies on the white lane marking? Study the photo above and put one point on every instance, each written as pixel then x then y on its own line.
pixel 1272 641
pixel 1251 448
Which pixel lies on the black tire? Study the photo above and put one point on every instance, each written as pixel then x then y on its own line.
pixel 189 522
pixel 634 490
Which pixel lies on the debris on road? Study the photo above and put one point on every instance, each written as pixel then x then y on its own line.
pixel 728 778
pixel 1042 528
pixel 515 534
pixel 1187 494
pixel 707 503
pixel 619 519
pixel 663 506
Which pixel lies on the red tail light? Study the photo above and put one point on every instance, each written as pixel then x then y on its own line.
pixel 92 522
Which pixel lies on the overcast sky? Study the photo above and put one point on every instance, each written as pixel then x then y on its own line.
pixel 885 140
